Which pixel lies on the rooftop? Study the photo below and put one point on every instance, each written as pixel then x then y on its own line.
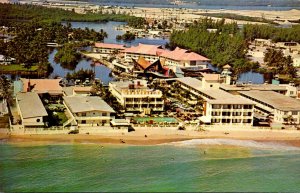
pixel 214 96
pixel 192 82
pixel 86 103
pixel 109 46
pixel 211 77
pixel 267 87
pixel 274 99
pixel 42 85
pixel 182 54
pixel 144 49
pixel 31 105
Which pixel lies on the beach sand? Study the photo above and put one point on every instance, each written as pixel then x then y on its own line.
pixel 159 136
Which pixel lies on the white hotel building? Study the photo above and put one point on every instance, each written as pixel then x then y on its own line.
pixel 220 107
pixel 136 96
pixel 284 109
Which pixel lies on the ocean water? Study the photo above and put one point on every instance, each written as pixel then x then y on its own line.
pixel 194 165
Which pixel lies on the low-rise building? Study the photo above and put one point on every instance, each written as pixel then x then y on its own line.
pixel 136 96
pixel 284 109
pixel 89 111
pixel 31 109
pixel 105 48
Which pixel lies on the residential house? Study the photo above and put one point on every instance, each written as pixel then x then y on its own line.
pixel 31 110
pixel 88 111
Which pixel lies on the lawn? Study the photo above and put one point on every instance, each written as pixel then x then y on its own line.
pixel 16 67
pixel 62 117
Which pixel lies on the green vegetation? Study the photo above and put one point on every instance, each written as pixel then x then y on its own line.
pixel 279 64
pixel 238 17
pixel 67 56
pixel 128 36
pixel 17 67
pixel 250 32
pixel 19 13
pixel 226 46
pixel 81 75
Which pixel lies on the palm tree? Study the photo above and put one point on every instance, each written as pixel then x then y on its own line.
pixel 5 88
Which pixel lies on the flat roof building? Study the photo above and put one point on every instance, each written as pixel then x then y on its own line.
pixel 136 96
pixel 220 107
pixel 283 108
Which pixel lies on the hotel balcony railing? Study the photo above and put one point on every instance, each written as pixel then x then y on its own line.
pixel 93 118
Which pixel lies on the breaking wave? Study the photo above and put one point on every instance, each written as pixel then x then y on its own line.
pixel 234 142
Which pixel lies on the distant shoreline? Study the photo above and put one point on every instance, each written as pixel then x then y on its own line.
pixel 156 137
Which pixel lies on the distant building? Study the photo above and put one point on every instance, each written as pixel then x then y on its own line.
pixel 31 110
pixel 89 111
pixel 282 108
pixel 108 49
pixel 136 96
pixel 176 58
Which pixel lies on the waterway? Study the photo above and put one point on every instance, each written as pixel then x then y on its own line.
pixel 110 29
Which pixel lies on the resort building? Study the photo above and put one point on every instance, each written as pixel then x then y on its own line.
pixel 285 89
pixel 136 96
pixel 89 111
pixel 220 107
pixel 31 109
pixel 282 109
pixel 108 49
pixel 176 58
pixel 149 52
pixel 183 58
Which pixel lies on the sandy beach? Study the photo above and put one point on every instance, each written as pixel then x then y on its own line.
pixel 152 137
pixel 282 17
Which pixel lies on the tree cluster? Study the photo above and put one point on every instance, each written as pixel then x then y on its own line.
pixel 279 64
pixel 128 36
pixel 81 75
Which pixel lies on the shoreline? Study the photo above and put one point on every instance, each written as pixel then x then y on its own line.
pixel 156 137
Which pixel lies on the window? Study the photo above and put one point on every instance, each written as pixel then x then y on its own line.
pixel 295 113
pixel 104 114
pixel 83 114
pixel 38 120
pixel 285 112
pixel 83 122
pixel 211 85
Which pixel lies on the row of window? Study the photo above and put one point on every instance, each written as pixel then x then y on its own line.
pixel 231 121
pixel 232 106
pixel 233 113
pixel 98 114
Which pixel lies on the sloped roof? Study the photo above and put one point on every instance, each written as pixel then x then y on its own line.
pixel 43 85
pixel 144 49
pixel 182 54
pixel 86 103
pixel 143 63
pixel 31 105
pixel 109 46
